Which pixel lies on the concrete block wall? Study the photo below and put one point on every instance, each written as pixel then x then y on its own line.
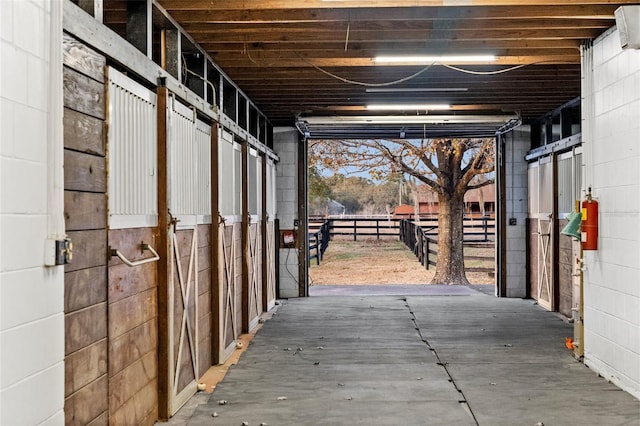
pixel 285 144
pixel 612 169
pixel 31 295
pixel 518 142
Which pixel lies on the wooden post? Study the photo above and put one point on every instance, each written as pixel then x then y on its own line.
pixel 355 229
pixel 217 307
pixel 264 221
pixel 246 252
pixel 164 249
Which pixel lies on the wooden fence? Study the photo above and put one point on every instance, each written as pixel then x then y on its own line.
pixel 419 236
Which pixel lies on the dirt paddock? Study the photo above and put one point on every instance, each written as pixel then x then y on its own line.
pixel 387 262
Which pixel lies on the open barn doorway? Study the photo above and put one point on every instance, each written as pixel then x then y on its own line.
pixel 373 223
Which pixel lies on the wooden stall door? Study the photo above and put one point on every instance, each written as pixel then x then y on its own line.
pixel 545 263
pixel 254 258
pixel 545 235
pixel 188 185
pixel 228 321
pixel 269 296
pixel 183 314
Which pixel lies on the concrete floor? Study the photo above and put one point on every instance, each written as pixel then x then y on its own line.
pixel 461 359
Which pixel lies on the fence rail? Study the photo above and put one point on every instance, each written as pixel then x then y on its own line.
pixel 419 236
pixel 417 239
pixel 319 241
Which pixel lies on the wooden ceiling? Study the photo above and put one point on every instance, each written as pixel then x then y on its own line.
pixel 293 57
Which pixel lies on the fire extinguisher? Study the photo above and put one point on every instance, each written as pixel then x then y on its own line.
pixel 589 226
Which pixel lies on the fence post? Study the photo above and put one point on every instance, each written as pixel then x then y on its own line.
pixel 355 230
pixel 485 224
pixel 377 229
pixel 426 240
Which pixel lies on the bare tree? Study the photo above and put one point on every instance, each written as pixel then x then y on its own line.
pixel 450 167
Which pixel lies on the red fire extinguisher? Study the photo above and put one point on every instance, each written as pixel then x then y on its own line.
pixel 589 226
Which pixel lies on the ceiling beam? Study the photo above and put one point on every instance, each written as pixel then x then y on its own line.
pixel 186 12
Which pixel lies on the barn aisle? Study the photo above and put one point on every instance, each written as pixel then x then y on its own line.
pixel 407 360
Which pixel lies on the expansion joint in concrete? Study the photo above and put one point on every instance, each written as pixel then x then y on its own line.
pixel 463 400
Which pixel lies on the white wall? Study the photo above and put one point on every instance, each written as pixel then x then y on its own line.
pixel 285 144
pixel 31 295
pixel 611 131
pixel 518 143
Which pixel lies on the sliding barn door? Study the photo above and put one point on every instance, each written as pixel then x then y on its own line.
pixel 252 276
pixel 269 264
pixel 229 245
pixel 541 220
pixel 188 191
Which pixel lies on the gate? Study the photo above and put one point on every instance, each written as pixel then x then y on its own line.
pixel 189 201
pixel 269 243
pixel 541 216
pixel 229 245
pixel 252 230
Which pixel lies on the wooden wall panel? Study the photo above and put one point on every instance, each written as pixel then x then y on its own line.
pixel 133 331
pixel 84 366
pixel 83 59
pixel 204 300
pixel 126 384
pixel 84 288
pixel 83 133
pixel 86 383
pixel 565 264
pixel 136 410
pixel 126 282
pixel 87 404
pixel 130 346
pixel 85 327
pixel 101 420
pixel 84 172
pixel 89 249
pixel 83 94
pixel 85 210
pixel 131 312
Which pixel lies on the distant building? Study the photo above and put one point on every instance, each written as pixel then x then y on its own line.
pixel 478 202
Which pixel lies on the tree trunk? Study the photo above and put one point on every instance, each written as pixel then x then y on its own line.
pixel 450 262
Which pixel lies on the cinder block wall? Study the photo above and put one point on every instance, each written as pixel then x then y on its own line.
pixel 286 146
pixel 31 295
pixel 612 168
pixel 518 142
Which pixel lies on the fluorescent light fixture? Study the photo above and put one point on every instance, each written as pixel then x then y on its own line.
pixel 414 89
pixel 407 120
pixel 444 59
pixel 407 107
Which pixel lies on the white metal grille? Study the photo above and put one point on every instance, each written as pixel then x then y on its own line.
pixel 566 196
pixel 271 188
pixel 203 158
pixel 132 145
pixel 181 156
pixel 252 176
pixel 225 174
pixel 534 189
pixel 190 157
pixel 546 186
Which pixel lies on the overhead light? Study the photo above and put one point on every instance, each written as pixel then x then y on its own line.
pixel 414 89
pixel 406 120
pixel 444 59
pixel 407 107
